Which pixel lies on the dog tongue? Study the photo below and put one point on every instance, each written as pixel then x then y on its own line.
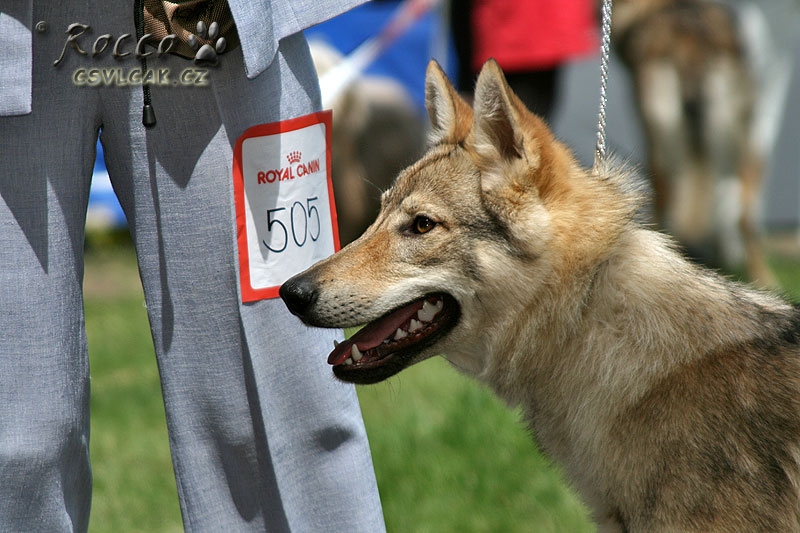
pixel 374 333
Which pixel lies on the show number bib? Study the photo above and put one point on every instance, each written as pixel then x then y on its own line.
pixel 285 214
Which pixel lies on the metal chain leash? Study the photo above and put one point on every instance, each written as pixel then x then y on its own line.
pixel 605 52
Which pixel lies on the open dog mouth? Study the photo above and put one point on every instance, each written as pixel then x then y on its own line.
pixel 387 345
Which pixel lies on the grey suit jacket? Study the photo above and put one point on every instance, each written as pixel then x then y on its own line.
pixel 260 23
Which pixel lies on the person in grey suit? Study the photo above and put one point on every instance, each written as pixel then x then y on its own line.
pixel 262 437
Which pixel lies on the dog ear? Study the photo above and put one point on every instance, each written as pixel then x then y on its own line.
pixel 509 141
pixel 450 115
pixel 497 109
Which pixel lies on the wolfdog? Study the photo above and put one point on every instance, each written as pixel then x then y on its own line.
pixel 696 91
pixel 669 395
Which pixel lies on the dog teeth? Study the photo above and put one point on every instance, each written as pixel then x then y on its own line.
pixel 335 343
pixel 400 334
pixel 348 361
pixel 414 326
pixel 356 354
pixel 429 310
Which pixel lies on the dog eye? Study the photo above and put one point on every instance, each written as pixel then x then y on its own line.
pixel 422 224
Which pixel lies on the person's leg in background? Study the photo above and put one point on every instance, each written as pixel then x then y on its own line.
pixel 47 156
pixel 262 435
pixel 537 89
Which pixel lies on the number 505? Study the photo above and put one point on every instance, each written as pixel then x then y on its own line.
pixel 302 220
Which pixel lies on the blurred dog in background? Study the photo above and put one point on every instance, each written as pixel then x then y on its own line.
pixel 695 93
pixel 377 132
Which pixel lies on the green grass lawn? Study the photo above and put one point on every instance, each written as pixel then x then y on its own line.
pixel 134 488
pixel 449 457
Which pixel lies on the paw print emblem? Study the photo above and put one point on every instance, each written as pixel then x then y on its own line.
pixel 206 54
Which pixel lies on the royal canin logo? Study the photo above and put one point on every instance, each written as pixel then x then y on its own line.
pixel 295 169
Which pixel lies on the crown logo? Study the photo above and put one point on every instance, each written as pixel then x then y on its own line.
pixel 294 156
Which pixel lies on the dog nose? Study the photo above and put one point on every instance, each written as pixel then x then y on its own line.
pixel 298 293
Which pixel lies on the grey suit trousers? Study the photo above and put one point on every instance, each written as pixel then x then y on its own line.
pixel 262 436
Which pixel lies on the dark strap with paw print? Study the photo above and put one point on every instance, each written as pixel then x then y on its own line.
pixel 196 23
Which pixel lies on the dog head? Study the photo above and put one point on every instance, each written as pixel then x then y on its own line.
pixel 461 245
